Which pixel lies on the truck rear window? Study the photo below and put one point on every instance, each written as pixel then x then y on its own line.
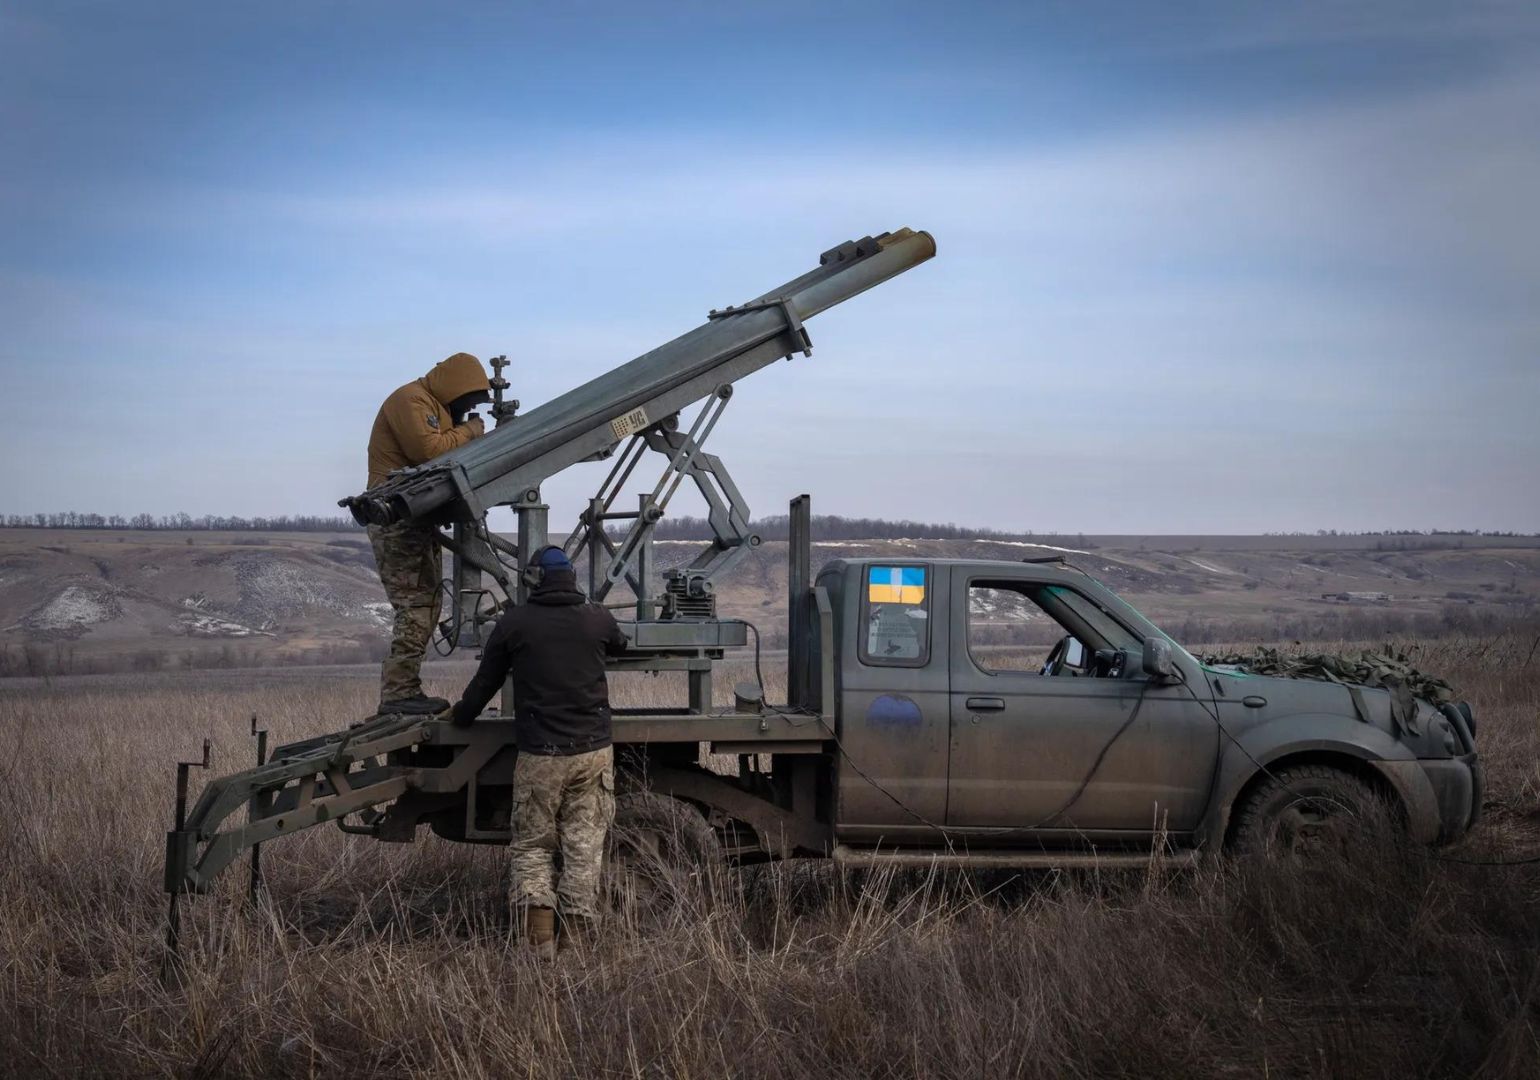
pixel 895 620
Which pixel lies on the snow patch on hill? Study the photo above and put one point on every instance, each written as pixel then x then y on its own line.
pixel 201 620
pixel 1029 544
pixel 199 625
pixel 273 590
pixel 75 609
pixel 1210 569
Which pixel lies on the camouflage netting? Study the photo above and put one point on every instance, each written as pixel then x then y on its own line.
pixel 1391 669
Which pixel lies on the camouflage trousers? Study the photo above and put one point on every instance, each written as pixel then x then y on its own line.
pixel 561 804
pixel 411 568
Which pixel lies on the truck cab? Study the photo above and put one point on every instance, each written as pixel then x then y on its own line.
pixel 988 705
pixel 1007 703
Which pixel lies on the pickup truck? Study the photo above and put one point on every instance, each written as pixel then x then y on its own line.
pixel 972 713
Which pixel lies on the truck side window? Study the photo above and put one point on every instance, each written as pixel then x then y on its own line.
pixel 1007 631
pixel 895 616
pixel 1035 629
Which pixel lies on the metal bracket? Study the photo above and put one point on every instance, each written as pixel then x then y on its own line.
pixel 629 560
pixel 473 550
pixel 782 304
pixel 502 408
pixel 177 864
pixel 254 810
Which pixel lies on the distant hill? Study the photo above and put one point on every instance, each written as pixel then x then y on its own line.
pixel 105 599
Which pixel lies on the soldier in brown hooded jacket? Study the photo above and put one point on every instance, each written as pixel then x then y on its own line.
pixel 418 422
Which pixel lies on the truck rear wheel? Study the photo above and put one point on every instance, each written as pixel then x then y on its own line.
pixel 662 857
pixel 1306 810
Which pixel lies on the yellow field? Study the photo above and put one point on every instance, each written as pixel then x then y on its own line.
pixel 374 960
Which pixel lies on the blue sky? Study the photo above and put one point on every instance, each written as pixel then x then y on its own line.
pixel 1203 268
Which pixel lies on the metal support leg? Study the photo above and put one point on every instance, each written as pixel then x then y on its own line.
pixel 175 885
pixel 646 608
pixel 253 811
pixel 699 675
pixel 596 553
pixel 534 534
pixel 465 583
pixel 799 597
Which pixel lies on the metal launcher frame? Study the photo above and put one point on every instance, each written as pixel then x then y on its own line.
pixel 632 409
pixel 389 775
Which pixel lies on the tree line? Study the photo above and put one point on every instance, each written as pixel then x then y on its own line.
pixel 70 519
pixel 834 527
pixel 1401 532
pixel 776 527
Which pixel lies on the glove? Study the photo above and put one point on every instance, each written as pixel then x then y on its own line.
pixel 475 425
pixel 454 718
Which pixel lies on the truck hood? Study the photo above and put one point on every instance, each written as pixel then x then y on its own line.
pixel 1297 696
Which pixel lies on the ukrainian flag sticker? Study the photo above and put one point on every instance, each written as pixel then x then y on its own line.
pixel 895 585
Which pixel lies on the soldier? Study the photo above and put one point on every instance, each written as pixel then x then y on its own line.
pixel 564 779
pixel 420 421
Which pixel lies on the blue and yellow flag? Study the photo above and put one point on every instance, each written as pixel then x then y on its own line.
pixel 895 585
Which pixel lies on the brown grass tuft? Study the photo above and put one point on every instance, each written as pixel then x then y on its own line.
pixel 374 960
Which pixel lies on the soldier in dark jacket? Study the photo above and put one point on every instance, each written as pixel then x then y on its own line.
pixel 554 646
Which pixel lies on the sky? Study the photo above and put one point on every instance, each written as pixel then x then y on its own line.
pixel 1203 268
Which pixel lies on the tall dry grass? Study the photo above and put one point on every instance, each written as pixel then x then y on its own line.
pixel 374 960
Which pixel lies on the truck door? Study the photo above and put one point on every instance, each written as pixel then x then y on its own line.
pixel 1034 705
pixel 893 701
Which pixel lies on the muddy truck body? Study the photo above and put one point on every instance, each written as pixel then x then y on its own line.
pixel 910 733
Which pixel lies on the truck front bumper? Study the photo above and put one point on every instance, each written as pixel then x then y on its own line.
pixel 1441 796
pixel 1458 788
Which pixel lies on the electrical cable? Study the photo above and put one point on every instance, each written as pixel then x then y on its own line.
pixel 1002 831
pixel 1218 723
pixel 440 638
pixel 764 696
pixel 1529 860
pixel 452 638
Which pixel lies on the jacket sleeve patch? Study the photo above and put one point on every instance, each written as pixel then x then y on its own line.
pixel 433 421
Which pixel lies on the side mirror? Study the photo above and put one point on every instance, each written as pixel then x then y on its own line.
pixel 1157 659
pixel 1074 654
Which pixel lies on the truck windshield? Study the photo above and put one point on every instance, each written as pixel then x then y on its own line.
pixel 1114 633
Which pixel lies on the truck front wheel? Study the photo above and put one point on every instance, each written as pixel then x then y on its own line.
pixel 1305 810
pixel 662 857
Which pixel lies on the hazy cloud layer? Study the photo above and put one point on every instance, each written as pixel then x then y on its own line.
pixel 1304 297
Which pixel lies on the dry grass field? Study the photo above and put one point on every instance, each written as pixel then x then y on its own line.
pixel 390 961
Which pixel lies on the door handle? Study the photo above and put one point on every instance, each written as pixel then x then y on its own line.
pixel 986 704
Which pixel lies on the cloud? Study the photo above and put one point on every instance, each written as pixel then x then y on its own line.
pixel 1270 310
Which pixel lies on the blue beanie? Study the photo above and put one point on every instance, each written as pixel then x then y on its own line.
pixel 554 558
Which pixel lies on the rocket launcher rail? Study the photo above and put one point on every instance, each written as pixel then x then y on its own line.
pixel 510 462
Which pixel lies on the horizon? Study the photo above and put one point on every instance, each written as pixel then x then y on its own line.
pixel 1231 271
pixel 330 523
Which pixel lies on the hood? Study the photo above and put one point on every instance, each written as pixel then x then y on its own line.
pixel 455 375
pixel 1290 696
pixel 557 588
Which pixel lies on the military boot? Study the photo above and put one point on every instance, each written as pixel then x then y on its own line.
pixel 540 932
pixel 418 704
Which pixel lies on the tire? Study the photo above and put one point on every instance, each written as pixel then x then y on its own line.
pixel 1305 810
pixel 662 858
